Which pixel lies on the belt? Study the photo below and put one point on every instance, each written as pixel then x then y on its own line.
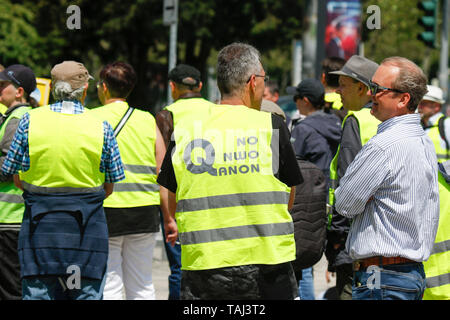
pixel 379 261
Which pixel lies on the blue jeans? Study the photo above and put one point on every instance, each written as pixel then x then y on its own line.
pixel 306 285
pixel 391 282
pixel 174 257
pixel 55 288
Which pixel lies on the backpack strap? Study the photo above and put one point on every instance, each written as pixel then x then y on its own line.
pixel 123 121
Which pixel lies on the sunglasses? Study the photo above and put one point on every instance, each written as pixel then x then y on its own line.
pixel 375 88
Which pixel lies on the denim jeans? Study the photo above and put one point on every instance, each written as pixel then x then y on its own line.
pixel 55 288
pixel 306 285
pixel 391 282
pixel 174 257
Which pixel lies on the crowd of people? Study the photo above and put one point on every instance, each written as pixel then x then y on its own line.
pixel 84 192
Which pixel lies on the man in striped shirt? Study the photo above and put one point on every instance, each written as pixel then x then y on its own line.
pixel 391 191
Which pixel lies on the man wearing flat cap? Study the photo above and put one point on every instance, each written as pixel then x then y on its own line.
pixel 68 161
pixel 435 123
pixel 357 129
pixel 185 84
pixel 17 82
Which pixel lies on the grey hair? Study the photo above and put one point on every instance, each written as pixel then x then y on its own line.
pixel 63 91
pixel 235 65
pixel 410 79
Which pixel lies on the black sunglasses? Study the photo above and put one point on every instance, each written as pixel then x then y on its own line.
pixel 266 77
pixel 375 88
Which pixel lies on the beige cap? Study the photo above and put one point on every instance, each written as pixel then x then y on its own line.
pixel 71 72
pixel 272 107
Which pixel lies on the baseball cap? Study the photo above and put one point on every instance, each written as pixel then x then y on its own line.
pixel 310 88
pixel 434 94
pixel 71 72
pixel 358 68
pixel 21 76
pixel 185 74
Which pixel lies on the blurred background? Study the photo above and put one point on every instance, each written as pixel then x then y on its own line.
pixel 293 36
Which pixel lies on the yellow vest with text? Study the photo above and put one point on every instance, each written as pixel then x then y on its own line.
pixel 136 141
pixel 437 267
pixel 231 209
pixel 11 201
pixel 368 126
pixel 65 152
pixel 435 136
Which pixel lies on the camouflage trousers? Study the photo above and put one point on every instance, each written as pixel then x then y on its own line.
pixel 250 282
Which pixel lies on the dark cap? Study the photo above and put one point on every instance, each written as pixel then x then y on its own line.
pixel 358 68
pixel 21 76
pixel 184 74
pixel 310 88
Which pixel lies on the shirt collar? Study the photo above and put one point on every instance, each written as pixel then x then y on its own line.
pixel 412 118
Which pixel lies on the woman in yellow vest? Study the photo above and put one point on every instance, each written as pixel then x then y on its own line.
pixel 132 212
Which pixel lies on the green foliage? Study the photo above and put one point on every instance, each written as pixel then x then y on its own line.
pixel 398 34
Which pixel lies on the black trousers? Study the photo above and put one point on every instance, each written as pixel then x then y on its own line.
pixel 10 282
pixel 250 282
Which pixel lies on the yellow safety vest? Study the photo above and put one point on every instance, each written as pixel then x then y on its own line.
pixel 231 210
pixel 437 267
pixel 65 155
pixel 11 201
pixel 3 108
pixel 335 100
pixel 435 136
pixel 136 142
pixel 368 126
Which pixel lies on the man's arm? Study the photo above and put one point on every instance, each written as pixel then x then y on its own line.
pixel 108 187
pixel 363 178
pixel 164 121
pixel 350 145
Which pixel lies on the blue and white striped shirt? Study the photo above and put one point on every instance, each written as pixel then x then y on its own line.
pixel 391 191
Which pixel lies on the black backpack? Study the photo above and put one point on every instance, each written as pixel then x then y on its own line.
pixel 309 216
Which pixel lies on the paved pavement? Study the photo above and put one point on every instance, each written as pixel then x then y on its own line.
pixel 161 271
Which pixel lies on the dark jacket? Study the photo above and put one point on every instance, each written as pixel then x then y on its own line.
pixel 60 230
pixel 316 139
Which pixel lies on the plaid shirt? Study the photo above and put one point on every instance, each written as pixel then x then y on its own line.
pixel 18 157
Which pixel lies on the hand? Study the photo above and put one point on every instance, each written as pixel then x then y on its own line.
pixel 328 276
pixel 171 231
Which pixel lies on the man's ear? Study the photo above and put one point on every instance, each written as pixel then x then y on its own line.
pixel 404 100
pixel 20 92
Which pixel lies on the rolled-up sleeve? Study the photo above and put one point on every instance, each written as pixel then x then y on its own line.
pixel 362 179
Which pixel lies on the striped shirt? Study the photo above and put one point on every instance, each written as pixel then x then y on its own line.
pixel 391 192
pixel 18 157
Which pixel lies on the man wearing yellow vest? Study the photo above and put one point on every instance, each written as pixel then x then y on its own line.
pixel 435 123
pixel 357 128
pixel 67 161
pixel 17 82
pixel 228 171
pixel 3 108
pixel 185 84
pixel 132 212
pixel 437 267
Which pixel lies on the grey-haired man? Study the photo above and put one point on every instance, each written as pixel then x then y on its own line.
pixel 237 238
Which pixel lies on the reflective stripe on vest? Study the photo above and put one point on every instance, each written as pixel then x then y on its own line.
pixel 368 126
pixel 65 157
pixel 11 201
pixel 437 267
pixel 435 136
pixel 136 142
pixel 231 210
